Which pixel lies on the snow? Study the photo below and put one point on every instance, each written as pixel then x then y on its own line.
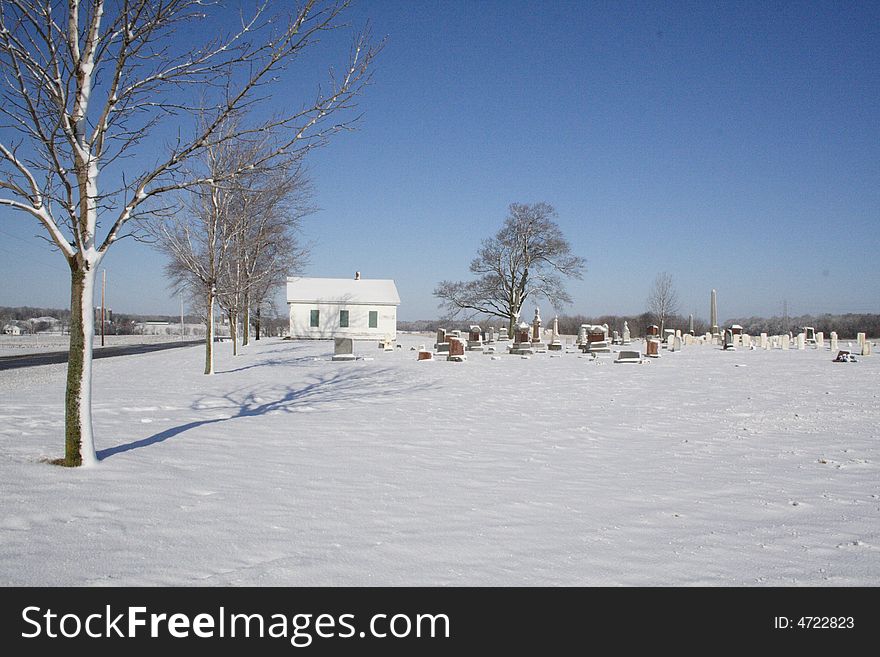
pixel 373 291
pixel 703 467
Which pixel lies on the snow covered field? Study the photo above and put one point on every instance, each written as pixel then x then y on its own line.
pixel 35 344
pixel 704 467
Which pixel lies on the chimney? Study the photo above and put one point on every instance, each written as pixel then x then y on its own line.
pixel 357 276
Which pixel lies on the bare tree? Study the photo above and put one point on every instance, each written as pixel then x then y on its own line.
pixel 231 242
pixel 663 300
pixel 270 210
pixel 199 240
pixel 525 259
pixel 86 84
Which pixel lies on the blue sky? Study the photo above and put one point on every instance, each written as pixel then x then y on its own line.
pixel 734 145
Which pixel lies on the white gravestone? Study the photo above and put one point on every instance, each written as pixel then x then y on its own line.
pixel 786 339
pixel 833 342
pixel 801 341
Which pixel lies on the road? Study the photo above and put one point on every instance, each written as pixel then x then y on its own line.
pixel 52 357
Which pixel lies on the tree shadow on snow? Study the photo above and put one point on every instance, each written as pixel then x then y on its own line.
pixel 273 362
pixel 336 388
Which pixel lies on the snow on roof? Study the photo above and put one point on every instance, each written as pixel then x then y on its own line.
pixel 347 290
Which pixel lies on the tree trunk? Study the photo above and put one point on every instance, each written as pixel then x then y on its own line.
pixel 79 441
pixel 246 322
pixel 233 332
pixel 209 335
pixel 257 323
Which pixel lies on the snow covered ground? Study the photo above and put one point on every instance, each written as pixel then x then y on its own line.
pixel 704 467
pixel 18 345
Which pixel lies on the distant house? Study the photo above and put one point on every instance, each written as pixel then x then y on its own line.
pixel 324 308
pixel 11 329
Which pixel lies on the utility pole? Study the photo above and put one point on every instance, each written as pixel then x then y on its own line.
pixel 103 288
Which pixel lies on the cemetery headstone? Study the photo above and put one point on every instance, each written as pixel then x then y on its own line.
pixel 442 344
pixel 343 349
pixel 555 341
pixel 456 350
pixel 475 338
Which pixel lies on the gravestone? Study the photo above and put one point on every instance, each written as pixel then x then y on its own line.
pixel 786 340
pixel 727 342
pixel 522 344
pixel 615 337
pixel 676 343
pixel 652 347
pixel 801 341
pixel 670 342
pixel 426 355
pixel 582 334
pixel 764 341
pixel 866 348
pixel 442 344
pixel 343 349
pixel 456 350
pixel 502 335
pixel 490 335
pixel 597 341
pixel 628 357
pixel 820 340
pixel 833 341
pixel 555 341
pixel 475 339
pixel 746 341
pixel 537 342
pixel 860 338
pixel 626 336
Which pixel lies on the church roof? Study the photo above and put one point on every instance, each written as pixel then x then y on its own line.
pixel 342 290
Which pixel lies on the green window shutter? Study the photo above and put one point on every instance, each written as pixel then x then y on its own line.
pixel 374 318
pixel 314 318
pixel 343 319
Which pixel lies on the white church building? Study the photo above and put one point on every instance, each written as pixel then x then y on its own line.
pixel 356 308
